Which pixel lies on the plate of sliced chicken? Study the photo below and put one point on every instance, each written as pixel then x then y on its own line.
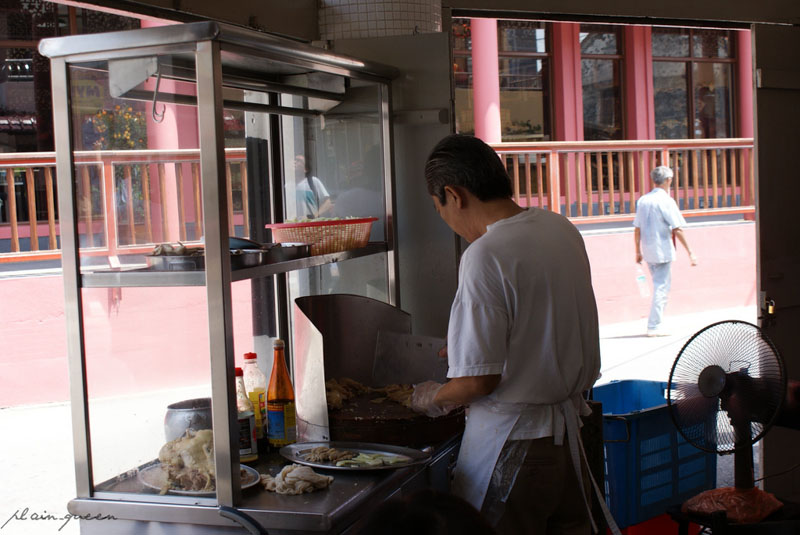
pixel 352 455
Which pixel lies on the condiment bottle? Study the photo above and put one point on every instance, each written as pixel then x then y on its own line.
pixel 248 450
pixel 255 382
pixel 282 420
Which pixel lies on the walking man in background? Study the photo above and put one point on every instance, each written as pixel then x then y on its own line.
pixel 658 223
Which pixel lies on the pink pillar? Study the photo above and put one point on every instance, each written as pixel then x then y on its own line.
pixel 486 80
pixel 639 108
pixel 744 86
pixel 744 77
pixel 567 86
pixel 178 130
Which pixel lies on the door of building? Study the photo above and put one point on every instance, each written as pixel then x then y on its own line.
pixel 777 64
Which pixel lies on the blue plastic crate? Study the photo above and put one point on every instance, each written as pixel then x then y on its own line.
pixel 648 464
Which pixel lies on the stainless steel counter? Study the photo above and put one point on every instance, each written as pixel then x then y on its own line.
pixel 338 509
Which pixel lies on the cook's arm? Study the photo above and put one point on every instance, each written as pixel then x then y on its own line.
pixel 465 390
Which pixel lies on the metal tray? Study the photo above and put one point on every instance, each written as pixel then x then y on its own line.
pixel 281 252
pixel 175 262
pixel 154 477
pixel 297 453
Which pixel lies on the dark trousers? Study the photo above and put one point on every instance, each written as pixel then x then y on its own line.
pixel 546 498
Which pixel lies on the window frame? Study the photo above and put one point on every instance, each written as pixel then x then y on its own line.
pixel 547 56
pixel 690 61
pixel 619 57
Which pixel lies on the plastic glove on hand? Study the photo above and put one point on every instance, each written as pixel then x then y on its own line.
pixel 422 399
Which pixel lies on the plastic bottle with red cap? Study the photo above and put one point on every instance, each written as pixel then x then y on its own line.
pixel 255 382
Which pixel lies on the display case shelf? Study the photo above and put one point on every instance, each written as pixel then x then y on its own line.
pixel 143 277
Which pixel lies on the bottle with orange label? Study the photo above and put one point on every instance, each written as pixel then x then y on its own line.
pixel 281 416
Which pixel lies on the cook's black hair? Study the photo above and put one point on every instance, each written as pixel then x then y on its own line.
pixel 466 161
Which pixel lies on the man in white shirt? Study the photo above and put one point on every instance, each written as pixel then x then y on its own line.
pixel 658 223
pixel 313 200
pixel 522 346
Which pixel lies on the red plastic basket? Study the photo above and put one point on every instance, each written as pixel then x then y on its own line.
pixel 325 236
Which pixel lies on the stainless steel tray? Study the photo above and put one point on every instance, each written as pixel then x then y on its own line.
pixel 154 477
pixel 298 452
pixel 175 262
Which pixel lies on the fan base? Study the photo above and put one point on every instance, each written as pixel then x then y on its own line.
pixel 743 506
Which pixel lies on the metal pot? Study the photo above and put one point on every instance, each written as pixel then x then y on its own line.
pixel 190 413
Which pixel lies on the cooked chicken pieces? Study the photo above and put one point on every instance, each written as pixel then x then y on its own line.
pixel 338 391
pixel 189 461
pixel 295 479
pixel 323 454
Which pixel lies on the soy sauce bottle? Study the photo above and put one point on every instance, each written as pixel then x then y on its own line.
pixel 281 416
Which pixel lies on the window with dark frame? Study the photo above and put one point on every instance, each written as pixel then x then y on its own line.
pixel 523 49
pixel 601 78
pixel 693 76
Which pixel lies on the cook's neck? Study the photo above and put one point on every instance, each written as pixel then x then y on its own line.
pixel 496 210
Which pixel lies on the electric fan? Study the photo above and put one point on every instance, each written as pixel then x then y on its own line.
pixel 725 391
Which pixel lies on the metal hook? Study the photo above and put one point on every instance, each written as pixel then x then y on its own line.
pixel 158 116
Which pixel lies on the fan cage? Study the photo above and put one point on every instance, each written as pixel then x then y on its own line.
pixel 739 348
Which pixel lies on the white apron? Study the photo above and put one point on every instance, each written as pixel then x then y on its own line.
pixel 488 427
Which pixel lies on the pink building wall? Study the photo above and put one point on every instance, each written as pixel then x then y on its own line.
pixel 33 362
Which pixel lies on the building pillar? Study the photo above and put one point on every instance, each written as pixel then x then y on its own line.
pixel 640 116
pixel 567 86
pixel 486 80
pixel 178 130
pixel 744 104
pixel 744 82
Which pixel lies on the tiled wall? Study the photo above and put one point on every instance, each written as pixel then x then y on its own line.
pixel 349 19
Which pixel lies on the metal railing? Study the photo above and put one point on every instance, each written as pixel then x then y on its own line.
pixel 599 180
pixel 118 190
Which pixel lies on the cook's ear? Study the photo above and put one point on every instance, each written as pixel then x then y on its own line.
pixel 455 195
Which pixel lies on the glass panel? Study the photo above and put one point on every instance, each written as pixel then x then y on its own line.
pixel 602 99
pixel 521 36
pixel 365 276
pixel 712 94
pixel 137 184
pixel 671 105
pixel 711 44
pixel 462 40
pixel 462 67
pixel 599 39
pixel 670 42
pixel 524 99
pixel 334 162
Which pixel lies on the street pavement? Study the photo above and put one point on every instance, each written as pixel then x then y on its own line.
pixel 36 443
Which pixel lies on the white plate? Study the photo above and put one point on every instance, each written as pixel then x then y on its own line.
pixel 298 452
pixel 155 477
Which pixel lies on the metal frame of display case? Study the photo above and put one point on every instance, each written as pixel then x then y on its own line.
pixel 224 56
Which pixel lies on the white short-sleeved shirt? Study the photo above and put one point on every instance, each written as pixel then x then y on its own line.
pixel 308 201
pixel 525 309
pixel 657 215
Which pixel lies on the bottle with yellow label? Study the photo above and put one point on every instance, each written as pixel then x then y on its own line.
pixel 282 420
pixel 256 384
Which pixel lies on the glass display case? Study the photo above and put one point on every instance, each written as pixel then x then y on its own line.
pixel 175 145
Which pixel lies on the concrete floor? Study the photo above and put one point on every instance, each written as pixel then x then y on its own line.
pixel 36 445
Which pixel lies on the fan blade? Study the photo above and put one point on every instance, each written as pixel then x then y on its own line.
pixel 752 393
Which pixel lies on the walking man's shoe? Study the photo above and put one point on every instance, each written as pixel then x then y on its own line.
pixel 652 333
